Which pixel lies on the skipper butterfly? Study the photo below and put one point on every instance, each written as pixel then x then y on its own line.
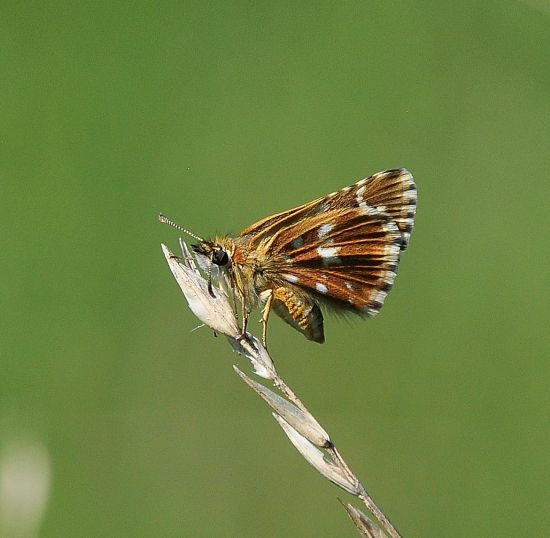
pixel 340 252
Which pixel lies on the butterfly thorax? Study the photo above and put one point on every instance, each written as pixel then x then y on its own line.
pixel 247 271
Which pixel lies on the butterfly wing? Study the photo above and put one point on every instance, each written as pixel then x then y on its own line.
pixel 346 258
pixel 265 228
pixel 341 250
pixel 392 192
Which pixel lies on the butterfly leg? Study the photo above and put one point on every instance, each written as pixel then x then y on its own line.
pixel 267 296
pixel 246 315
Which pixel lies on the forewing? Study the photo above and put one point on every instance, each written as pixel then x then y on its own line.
pixel 392 192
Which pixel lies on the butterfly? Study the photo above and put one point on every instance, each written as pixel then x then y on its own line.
pixel 339 252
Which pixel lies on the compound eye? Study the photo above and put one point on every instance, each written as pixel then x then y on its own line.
pixel 220 257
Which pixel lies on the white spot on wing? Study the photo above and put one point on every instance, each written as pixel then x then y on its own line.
pixel 392 250
pixel 291 278
pixel 380 296
pixel 324 230
pixel 321 288
pixel 328 252
pixel 329 255
pixel 349 285
pixel 367 209
pixel 359 195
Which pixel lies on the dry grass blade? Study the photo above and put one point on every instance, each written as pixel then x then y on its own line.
pixel 317 459
pixel 364 524
pixel 216 312
pixel 293 415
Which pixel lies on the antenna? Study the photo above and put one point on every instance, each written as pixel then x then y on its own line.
pixel 166 220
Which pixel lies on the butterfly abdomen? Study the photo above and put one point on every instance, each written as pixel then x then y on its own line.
pixel 299 312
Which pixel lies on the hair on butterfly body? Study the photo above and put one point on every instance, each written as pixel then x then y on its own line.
pixel 340 251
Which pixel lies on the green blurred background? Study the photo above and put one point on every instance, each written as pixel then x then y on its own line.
pixel 218 114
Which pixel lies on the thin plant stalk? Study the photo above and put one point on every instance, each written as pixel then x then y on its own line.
pixel 214 308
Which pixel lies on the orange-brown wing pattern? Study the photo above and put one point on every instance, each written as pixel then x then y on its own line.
pixel 341 250
pixel 392 192
pixel 345 258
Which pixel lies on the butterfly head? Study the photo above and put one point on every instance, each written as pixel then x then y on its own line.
pixel 213 252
